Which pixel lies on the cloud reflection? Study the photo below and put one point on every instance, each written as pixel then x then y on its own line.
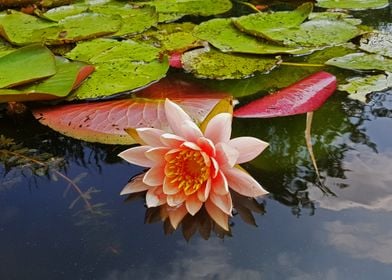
pixel 361 240
pixel 367 184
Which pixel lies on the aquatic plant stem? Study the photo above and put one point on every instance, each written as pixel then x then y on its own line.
pixel 301 64
pixel 248 4
pixel 67 179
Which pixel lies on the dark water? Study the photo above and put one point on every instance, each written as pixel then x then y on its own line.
pixel 340 228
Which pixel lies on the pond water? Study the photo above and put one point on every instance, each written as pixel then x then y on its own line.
pixel 338 227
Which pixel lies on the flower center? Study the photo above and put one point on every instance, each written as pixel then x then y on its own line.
pixel 189 169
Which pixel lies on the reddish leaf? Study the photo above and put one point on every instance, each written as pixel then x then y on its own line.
pixel 304 96
pixel 175 60
pixel 105 121
pixel 83 74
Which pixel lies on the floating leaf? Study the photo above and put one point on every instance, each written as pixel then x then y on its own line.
pixel 105 121
pixel 377 42
pixel 217 65
pixel 336 16
pixel 304 96
pixel 222 34
pixel 80 27
pixel 172 37
pixel 59 13
pixel 259 23
pixel 353 4
pixel 22 29
pixel 68 76
pixel 359 87
pixel 315 33
pixel 5 48
pixel 191 7
pixel 26 64
pixel 362 61
pixel 128 65
pixel 134 20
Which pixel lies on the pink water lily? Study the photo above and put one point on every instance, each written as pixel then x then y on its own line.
pixel 189 168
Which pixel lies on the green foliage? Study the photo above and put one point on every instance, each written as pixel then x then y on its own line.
pixel 352 4
pixel 217 65
pixel 377 42
pixel 362 61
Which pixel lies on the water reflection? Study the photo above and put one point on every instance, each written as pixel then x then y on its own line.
pixel 201 224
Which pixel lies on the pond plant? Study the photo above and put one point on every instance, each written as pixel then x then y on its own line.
pixel 167 74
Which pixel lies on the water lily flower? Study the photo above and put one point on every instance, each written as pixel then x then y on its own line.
pixel 189 168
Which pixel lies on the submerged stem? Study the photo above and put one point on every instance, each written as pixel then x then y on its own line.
pixel 253 7
pixel 302 64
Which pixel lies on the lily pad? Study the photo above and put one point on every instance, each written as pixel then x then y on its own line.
pixel 5 48
pixel 126 65
pixel 359 87
pixel 259 23
pixel 106 121
pixel 21 29
pixel 353 4
pixel 59 13
pixel 25 65
pixel 217 65
pixel 222 34
pixel 191 7
pixel 315 33
pixel 362 61
pixel 172 37
pixel 377 42
pixel 134 20
pixel 68 76
pixel 81 27
pixel 335 16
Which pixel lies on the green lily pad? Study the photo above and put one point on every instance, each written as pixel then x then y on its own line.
pixel 335 16
pixel 5 48
pixel 191 7
pixel 315 33
pixel 259 23
pixel 125 65
pixel 81 27
pixel 359 87
pixel 172 37
pixel 134 20
pixel 169 17
pixel 26 64
pixel 217 65
pixel 362 61
pixel 54 87
pixel 377 42
pixel 21 29
pixel 59 13
pixel 353 4
pixel 222 34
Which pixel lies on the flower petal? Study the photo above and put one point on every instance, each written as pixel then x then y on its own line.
pixel 241 182
pixel 190 131
pixel 223 202
pixel 248 148
pixel 170 188
pixel 155 197
pixel 219 184
pixel 135 185
pixel 150 136
pixel 203 193
pixel 217 215
pixel 207 146
pixel 171 140
pixel 157 155
pixel 176 214
pixel 137 156
pixel 176 199
pixel 219 128
pixel 154 176
pixel 175 116
pixel 193 204
pixel 226 155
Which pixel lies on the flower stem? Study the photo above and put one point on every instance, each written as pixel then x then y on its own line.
pixel 301 64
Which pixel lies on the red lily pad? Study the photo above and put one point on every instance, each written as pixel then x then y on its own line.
pixel 105 122
pixel 304 96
